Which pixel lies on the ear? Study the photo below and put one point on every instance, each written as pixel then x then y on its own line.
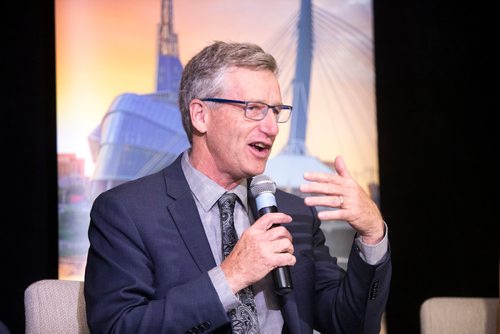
pixel 198 111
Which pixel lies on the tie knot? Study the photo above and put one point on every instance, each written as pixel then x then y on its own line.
pixel 226 202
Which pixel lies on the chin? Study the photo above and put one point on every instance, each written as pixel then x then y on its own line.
pixel 256 171
pixel 252 167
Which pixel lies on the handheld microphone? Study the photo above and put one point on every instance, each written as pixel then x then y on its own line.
pixel 263 188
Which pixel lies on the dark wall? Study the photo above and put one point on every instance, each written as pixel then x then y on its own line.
pixel 28 236
pixel 435 141
pixel 436 71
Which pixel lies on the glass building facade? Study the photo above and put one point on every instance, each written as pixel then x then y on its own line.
pixel 139 134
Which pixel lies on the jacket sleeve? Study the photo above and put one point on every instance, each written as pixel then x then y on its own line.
pixel 120 284
pixel 352 301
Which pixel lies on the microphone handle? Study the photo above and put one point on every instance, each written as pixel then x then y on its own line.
pixel 281 275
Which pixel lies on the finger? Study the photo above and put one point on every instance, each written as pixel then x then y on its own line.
pixel 341 167
pixel 320 188
pixel 279 232
pixel 285 259
pixel 321 177
pixel 283 246
pixel 332 215
pixel 329 201
pixel 265 222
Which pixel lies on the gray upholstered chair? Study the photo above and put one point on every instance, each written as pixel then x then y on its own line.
pixel 455 315
pixel 55 306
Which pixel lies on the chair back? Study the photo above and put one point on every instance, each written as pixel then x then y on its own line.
pixel 468 315
pixel 55 306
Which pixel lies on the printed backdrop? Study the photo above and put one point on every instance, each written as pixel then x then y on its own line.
pixel 116 110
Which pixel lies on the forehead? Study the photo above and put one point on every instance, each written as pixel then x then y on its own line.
pixel 249 84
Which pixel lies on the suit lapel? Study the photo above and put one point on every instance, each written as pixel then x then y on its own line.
pixel 185 215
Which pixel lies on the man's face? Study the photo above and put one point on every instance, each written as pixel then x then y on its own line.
pixel 239 146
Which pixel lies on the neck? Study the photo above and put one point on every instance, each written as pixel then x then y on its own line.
pixel 202 161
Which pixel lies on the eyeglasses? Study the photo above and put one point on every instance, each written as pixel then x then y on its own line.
pixel 258 110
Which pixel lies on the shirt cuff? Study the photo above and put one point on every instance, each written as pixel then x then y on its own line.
pixel 373 254
pixel 228 299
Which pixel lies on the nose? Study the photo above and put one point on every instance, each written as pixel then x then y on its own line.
pixel 268 124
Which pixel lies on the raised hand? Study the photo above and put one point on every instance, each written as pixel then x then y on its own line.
pixel 352 202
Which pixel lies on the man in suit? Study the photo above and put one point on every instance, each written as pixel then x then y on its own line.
pixel 156 262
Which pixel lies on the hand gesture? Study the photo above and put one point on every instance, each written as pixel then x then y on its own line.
pixel 352 202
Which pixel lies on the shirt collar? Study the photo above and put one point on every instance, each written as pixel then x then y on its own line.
pixel 206 191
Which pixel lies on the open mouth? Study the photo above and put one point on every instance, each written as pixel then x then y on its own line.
pixel 260 146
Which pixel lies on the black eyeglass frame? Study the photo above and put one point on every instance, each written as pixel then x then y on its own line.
pixel 274 108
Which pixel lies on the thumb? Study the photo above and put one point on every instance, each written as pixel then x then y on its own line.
pixel 340 167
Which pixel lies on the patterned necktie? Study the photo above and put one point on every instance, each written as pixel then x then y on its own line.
pixel 244 317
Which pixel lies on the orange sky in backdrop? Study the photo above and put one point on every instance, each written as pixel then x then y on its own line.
pixel 105 48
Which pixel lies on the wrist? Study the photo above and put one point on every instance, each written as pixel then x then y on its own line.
pixel 231 278
pixel 374 237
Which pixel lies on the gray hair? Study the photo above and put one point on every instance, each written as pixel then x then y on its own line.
pixel 203 74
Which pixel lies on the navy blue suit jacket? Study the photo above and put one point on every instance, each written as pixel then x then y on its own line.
pixel 149 256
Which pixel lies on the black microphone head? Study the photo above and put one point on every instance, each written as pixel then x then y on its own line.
pixel 262 184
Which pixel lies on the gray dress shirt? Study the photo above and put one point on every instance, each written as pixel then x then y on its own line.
pixel 206 193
